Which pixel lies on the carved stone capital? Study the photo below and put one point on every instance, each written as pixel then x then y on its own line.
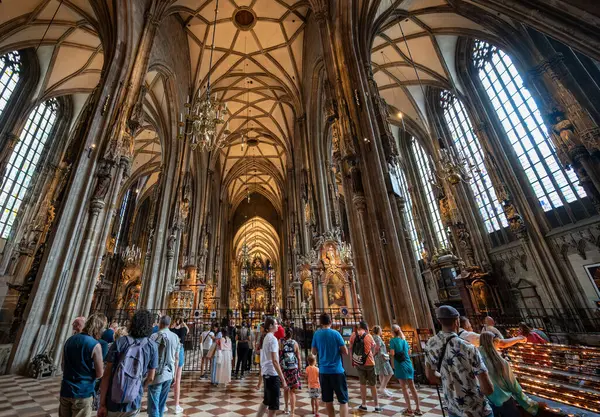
pixel 553 67
pixel 96 207
pixel 153 18
pixel 591 138
pixel 577 153
pixel 321 10
pixel 401 203
pixel 360 202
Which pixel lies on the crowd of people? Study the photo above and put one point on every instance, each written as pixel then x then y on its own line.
pixel 108 369
pixel 474 378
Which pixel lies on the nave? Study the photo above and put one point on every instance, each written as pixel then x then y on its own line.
pixel 25 397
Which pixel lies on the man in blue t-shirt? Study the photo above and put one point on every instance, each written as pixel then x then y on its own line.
pixel 141 327
pixel 329 346
pixel 82 365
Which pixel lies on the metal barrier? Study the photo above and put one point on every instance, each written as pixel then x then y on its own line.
pixel 303 324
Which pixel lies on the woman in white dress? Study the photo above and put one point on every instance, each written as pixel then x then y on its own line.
pixel 224 357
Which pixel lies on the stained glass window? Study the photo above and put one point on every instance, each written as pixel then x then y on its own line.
pixel 521 119
pixel 401 187
pixel 426 173
pixel 469 147
pixel 10 67
pixel 23 162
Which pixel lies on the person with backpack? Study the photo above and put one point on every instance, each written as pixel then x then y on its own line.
pixel 131 360
pixel 167 344
pixel 404 370
pixel 362 348
pixel 456 365
pixel 329 346
pixel 290 365
pixel 82 365
pixel 243 350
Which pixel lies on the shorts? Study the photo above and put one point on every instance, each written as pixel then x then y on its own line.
pixel 366 375
pixel 205 353
pixel 181 356
pixel 292 378
pixel 272 387
pixel 334 383
pixel 314 392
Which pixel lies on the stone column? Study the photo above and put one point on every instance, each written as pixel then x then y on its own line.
pixel 361 144
pixel 104 226
pixel 417 287
pixel 297 285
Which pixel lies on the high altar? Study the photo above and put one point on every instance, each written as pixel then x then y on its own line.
pixel 257 285
pixel 325 278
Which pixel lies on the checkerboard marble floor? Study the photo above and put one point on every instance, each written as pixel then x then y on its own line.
pixel 25 397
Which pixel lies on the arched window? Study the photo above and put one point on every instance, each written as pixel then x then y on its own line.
pixel 10 67
pixel 427 180
pixel 23 162
pixel 521 119
pixel 401 187
pixel 469 147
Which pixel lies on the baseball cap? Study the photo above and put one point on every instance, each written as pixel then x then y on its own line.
pixel 447 312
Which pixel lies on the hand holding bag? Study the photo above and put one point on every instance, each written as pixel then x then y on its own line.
pixel 211 351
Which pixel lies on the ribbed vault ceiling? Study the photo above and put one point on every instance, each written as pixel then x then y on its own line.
pixel 421 35
pixel 70 54
pixel 260 236
pixel 256 69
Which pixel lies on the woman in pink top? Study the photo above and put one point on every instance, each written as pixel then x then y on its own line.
pixel 532 336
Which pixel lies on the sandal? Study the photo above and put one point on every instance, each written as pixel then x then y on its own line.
pixel 418 412
pixel 407 412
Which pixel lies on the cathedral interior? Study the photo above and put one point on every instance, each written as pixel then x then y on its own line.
pixel 236 158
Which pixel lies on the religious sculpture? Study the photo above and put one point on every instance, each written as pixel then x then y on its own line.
pixel 103 182
pixel 24 291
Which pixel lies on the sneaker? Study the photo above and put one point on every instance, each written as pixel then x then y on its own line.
pixel 165 409
pixel 378 409
pixel 388 393
pixel 363 408
pixel 178 409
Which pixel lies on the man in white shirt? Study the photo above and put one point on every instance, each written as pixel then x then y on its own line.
pixel 207 338
pixel 270 370
pixel 467 334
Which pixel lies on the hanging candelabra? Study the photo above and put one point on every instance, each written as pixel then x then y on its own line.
pixel 453 167
pixel 131 255
pixel 205 113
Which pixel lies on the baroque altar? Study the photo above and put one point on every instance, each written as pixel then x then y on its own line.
pixel 325 278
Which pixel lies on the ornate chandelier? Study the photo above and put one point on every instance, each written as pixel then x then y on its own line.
pixel 131 255
pixel 205 114
pixel 454 167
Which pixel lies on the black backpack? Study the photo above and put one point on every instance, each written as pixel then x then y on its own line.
pixel 359 356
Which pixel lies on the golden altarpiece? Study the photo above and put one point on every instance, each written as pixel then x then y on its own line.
pixel 325 278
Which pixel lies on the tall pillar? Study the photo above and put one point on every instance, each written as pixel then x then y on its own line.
pixel 360 143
